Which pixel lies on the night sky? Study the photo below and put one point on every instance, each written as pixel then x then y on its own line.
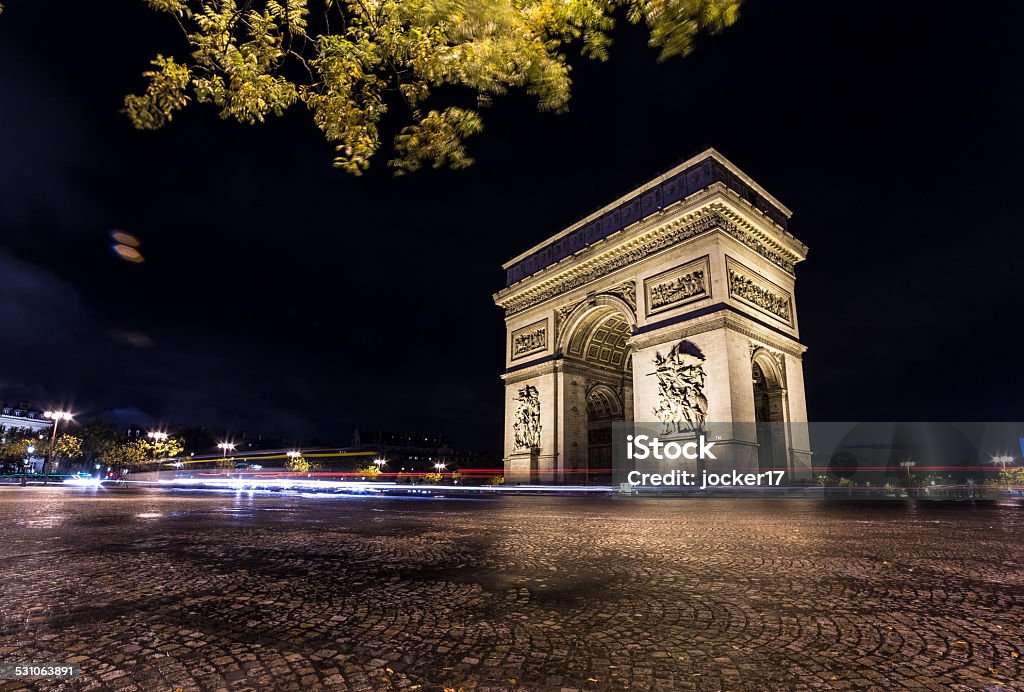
pixel 284 296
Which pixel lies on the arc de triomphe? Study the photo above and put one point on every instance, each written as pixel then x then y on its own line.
pixel 673 305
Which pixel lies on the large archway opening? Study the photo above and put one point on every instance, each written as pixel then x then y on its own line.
pixel 769 412
pixel 604 408
pixel 598 356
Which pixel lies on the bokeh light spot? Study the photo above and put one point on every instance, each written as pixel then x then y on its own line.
pixel 122 238
pixel 129 254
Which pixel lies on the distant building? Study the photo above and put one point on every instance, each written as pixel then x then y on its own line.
pixel 24 420
pixel 250 441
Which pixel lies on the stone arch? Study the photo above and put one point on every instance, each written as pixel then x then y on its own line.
pixel 604 408
pixel 594 342
pixel 700 253
pixel 582 318
pixel 770 415
pixel 603 401
pixel 769 366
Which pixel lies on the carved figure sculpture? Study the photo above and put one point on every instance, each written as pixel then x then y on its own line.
pixel 526 427
pixel 682 404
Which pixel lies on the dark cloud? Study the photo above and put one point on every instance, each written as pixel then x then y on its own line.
pixel 40 312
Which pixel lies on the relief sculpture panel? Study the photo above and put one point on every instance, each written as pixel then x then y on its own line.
pixel 682 403
pixel 530 339
pixel 747 287
pixel 679 286
pixel 526 426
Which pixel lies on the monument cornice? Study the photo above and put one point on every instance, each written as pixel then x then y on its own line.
pixel 722 318
pixel 679 185
pixel 528 371
pixel 645 239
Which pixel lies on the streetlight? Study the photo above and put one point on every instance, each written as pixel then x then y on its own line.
pixel 224 447
pixel 908 464
pixel 379 463
pixel 1002 461
pixel 440 467
pixel 56 417
pixel 29 451
pixel 157 438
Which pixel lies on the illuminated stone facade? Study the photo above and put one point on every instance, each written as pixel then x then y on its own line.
pixel 22 419
pixel 673 305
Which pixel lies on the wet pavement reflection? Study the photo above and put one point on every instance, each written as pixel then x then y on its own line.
pixel 155 589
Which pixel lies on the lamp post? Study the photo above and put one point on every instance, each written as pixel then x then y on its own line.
pixel 157 438
pixel 379 463
pixel 1002 461
pixel 56 417
pixel 908 464
pixel 440 467
pixel 29 451
pixel 224 447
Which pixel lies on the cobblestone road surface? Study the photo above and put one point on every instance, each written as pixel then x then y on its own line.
pixel 159 590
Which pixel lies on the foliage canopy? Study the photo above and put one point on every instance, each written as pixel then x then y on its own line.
pixel 370 471
pixel 428 65
pixel 163 448
pixel 129 454
pixel 66 446
pixel 298 464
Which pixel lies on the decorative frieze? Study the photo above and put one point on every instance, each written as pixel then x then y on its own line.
pixel 754 290
pixel 656 197
pixel 530 339
pixel 684 284
pixel 718 320
pixel 712 218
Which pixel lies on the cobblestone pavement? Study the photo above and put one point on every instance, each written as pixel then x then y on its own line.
pixel 159 590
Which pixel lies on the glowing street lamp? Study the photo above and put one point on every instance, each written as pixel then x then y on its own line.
pixel 1002 461
pixel 379 463
pixel 56 417
pixel 157 437
pixel 440 466
pixel 30 450
pixel 294 455
pixel 224 447
pixel 908 464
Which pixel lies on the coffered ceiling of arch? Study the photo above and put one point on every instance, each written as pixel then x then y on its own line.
pixel 602 339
